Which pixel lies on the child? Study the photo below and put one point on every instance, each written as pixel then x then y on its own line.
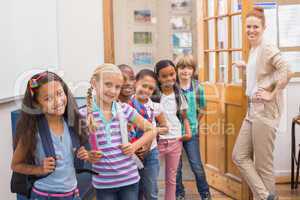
pixel 194 94
pixel 128 86
pixel 49 103
pixel 144 88
pixel 118 174
pixel 174 108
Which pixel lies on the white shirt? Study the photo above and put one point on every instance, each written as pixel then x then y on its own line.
pixel 169 108
pixel 251 84
pixel 153 109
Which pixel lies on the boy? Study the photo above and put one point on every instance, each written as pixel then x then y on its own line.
pixel 194 93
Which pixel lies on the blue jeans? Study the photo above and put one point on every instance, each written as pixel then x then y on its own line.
pixel 192 150
pixel 149 175
pixel 129 192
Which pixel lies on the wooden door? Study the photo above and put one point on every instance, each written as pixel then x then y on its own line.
pixel 223 43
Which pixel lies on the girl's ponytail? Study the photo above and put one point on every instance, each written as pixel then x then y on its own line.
pixel 91 124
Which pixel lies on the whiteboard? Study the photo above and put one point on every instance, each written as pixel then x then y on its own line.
pixel 28 42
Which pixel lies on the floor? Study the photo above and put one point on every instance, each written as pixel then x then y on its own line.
pixel 283 190
pixel 192 194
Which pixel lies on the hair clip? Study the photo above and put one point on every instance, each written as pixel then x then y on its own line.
pixel 33 82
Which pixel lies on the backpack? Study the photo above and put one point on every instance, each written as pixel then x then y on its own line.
pixel 124 133
pixel 21 183
pixel 197 93
pixel 141 109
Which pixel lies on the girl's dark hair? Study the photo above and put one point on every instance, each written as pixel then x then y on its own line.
pixel 162 64
pixel 157 94
pixel 145 72
pixel 26 130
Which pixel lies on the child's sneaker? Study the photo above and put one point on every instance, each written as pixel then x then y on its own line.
pixel 180 198
pixel 206 196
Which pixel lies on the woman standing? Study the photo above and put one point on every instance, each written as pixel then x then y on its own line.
pixel 267 74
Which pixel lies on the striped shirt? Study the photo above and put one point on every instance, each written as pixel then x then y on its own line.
pixel 115 169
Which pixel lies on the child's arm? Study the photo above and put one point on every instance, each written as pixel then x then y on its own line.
pixel 162 122
pixel 18 163
pixel 90 156
pixel 149 134
pixel 187 136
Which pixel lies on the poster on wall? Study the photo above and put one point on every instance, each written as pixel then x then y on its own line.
pixel 142 38
pixel 181 5
pixel 182 39
pixel 289 25
pixel 142 58
pixel 181 23
pixel 142 16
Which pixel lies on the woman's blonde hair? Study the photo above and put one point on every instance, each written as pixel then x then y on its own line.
pixel 98 72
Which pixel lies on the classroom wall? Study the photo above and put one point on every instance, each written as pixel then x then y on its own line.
pixel 80 29
pixel 282 153
pixel 80 50
pixel 124 26
pixel 6 149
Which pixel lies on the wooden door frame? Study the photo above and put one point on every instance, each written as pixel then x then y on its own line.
pixel 203 58
pixel 108 30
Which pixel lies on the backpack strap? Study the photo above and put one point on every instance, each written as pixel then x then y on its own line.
pixel 196 90
pixel 78 163
pixel 48 146
pixel 141 109
pixel 46 139
pixel 45 135
pixel 178 96
pixel 123 124
pixel 124 133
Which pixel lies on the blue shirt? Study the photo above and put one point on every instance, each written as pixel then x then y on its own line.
pixel 63 179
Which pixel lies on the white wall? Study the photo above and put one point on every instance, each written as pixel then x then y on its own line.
pixel 80 50
pixel 80 29
pixel 282 153
pixel 6 149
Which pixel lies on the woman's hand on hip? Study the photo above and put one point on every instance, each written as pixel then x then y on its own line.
pixel 263 95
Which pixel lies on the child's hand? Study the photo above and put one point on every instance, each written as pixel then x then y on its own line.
pixel 82 153
pixel 48 165
pixel 128 149
pixel 186 137
pixel 94 156
pixel 143 150
pixel 162 130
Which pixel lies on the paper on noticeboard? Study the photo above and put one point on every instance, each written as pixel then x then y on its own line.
pixel 289 25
